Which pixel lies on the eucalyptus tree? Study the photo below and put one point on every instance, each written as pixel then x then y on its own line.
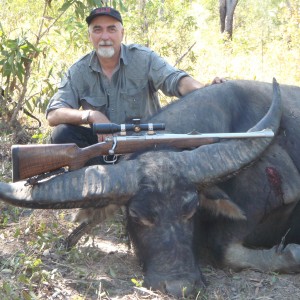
pixel 227 8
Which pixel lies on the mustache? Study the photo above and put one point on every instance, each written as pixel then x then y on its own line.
pixel 105 43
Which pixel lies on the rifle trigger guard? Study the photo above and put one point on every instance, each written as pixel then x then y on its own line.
pixel 110 160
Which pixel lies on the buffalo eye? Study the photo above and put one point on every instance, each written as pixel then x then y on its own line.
pixel 139 218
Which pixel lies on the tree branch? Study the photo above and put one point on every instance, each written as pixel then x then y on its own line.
pixel 182 57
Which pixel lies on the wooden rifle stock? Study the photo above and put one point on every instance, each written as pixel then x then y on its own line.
pixel 32 160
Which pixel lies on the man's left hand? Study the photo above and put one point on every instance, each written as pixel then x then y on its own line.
pixel 218 80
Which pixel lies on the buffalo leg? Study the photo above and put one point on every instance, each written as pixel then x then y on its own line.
pixel 88 218
pixel 293 226
pixel 282 229
pixel 277 259
pixel 78 233
pixel 281 226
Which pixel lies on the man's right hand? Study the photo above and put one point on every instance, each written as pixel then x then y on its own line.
pixel 76 117
pixel 98 117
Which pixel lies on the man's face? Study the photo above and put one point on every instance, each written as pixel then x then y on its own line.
pixel 106 35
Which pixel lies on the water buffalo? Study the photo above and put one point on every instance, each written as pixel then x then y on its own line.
pixel 233 204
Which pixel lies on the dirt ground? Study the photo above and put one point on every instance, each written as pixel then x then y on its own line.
pixel 34 265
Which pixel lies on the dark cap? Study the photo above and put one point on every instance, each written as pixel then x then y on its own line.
pixel 104 11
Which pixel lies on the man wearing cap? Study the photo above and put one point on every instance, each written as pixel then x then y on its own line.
pixel 114 83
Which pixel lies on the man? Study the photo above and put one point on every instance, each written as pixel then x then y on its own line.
pixel 113 83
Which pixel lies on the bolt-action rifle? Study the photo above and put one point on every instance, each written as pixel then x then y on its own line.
pixel 36 160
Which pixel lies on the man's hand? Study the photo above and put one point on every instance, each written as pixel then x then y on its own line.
pixel 218 80
pixel 75 117
pixel 98 117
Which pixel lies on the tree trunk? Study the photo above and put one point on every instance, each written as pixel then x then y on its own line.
pixel 226 9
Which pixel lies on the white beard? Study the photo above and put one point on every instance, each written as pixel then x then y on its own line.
pixel 106 52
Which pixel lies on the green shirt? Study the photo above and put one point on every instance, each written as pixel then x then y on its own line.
pixel 131 92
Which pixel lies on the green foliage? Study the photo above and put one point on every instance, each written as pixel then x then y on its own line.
pixel 15 59
pixel 10 214
pixel 24 273
pixel 265 42
pixel 165 26
pixel 39 40
pixel 136 282
pixel 15 54
pixel 30 38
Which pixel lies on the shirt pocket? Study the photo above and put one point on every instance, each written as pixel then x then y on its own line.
pixel 95 103
pixel 134 101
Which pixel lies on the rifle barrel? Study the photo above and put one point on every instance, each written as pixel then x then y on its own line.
pixel 160 137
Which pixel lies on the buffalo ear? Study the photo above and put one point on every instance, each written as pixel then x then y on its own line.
pixel 218 203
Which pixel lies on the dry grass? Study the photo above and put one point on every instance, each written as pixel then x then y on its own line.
pixel 33 262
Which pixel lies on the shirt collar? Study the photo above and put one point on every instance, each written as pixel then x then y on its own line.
pixel 94 63
pixel 124 54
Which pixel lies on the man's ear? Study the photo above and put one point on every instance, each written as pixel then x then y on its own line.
pixel 122 31
pixel 89 35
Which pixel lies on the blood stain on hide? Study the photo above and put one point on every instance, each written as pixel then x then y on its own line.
pixel 275 181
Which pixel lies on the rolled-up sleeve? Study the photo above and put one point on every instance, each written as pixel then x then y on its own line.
pixel 164 76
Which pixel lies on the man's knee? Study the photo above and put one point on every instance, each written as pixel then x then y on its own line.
pixel 67 133
pixel 61 134
pixel 81 136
